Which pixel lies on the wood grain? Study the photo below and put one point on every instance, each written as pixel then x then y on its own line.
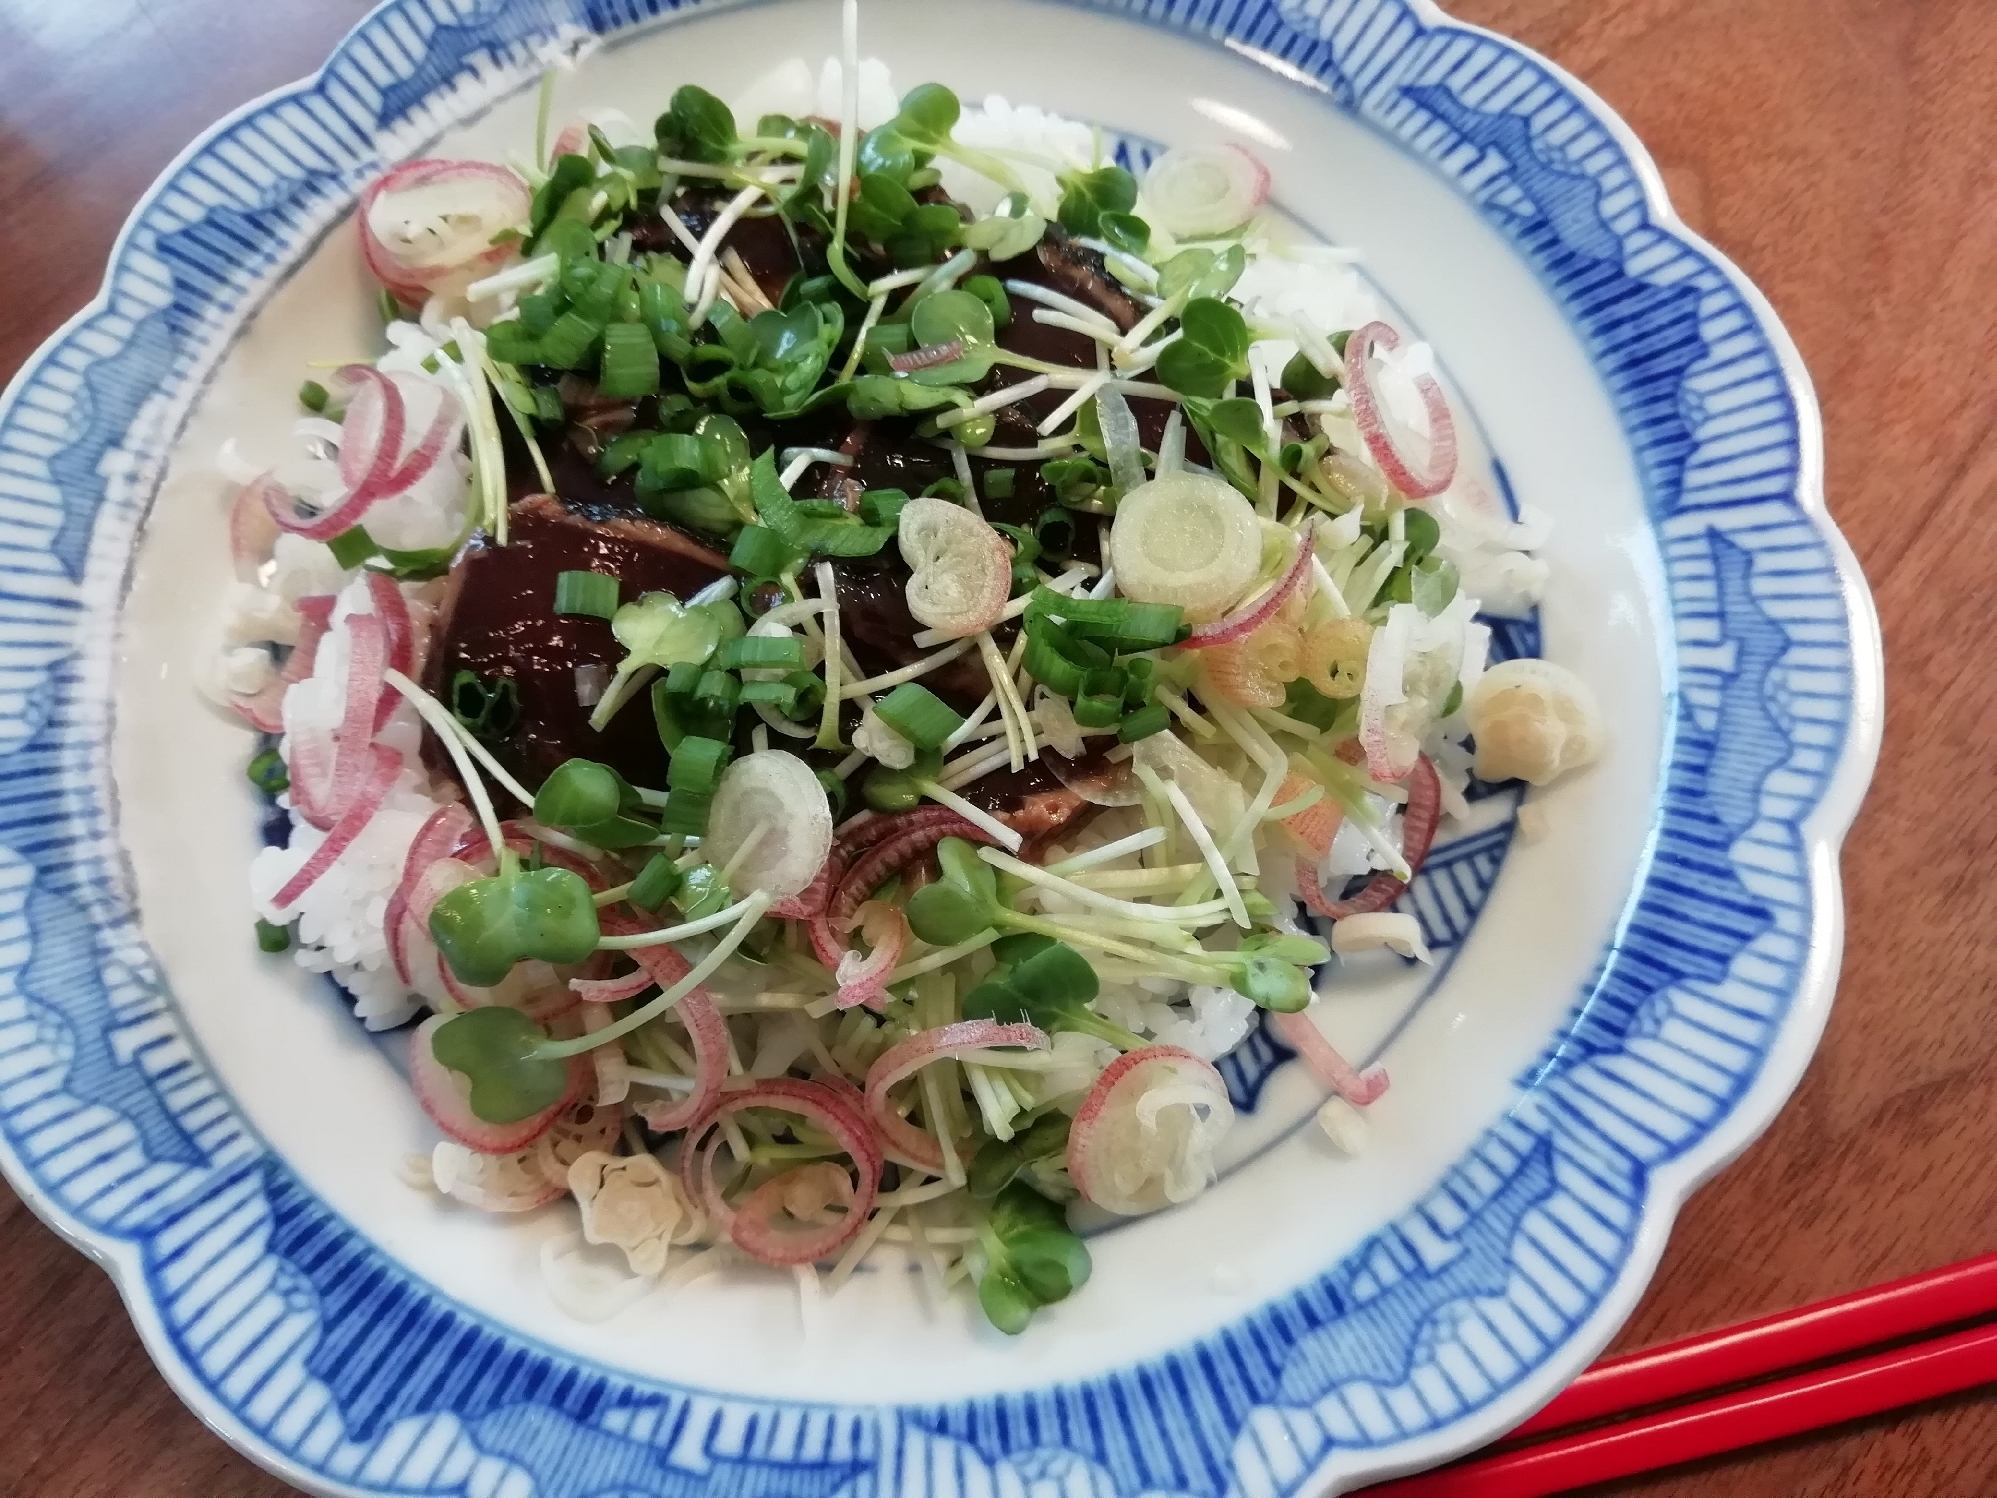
pixel 1844 152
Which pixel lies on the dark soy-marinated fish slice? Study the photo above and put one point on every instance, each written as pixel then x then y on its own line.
pixel 498 619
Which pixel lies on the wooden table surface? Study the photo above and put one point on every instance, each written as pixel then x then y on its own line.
pixel 1844 152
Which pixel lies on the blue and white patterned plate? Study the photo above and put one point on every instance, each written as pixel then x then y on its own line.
pixel 1630 994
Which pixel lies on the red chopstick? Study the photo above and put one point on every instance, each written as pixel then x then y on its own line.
pixel 1767 1412
pixel 1788 1339
pixel 1753 1349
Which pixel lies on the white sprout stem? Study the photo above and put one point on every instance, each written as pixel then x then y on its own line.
pixel 1328 590
pixel 431 711
pixel 1280 722
pixel 756 835
pixel 944 956
pixel 670 216
pixel 709 294
pixel 961 462
pixel 860 1247
pixel 681 932
pixel 828 590
pixel 1083 393
pixel 1029 454
pixel 943 277
pixel 1317 348
pixel 1010 707
pixel 752 911
pixel 830 455
pixel 909 672
pixel 974 723
pixel 718 591
pixel 898 279
pixel 1296 805
pixel 1103 331
pixel 710 242
pixel 1145 326
pixel 998 400
pixel 1155 915
pixel 744 282
pixel 977 816
pixel 972 767
pixel 795 469
pixel 1264 751
pixel 1137 842
pixel 1059 303
pixel 1172 444
pixel 488 457
pixel 1070 379
pixel 1202 839
pixel 1143 269
pixel 479 752
pixel 874 310
pixel 1185 712
pixel 1142 881
pixel 845 768
pixel 515 277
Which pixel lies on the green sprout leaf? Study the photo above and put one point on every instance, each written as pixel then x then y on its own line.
pixel 1031 1258
pixel 1046 983
pixel 1302 379
pixel 1281 986
pixel 483 928
pixel 1087 196
pixel 497 1048
pixel 999 1161
pixel 591 801
pixel 697 127
pixel 1211 354
pixel 812 532
pixel 961 903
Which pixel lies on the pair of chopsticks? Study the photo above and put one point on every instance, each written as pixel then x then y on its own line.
pixel 1624 1434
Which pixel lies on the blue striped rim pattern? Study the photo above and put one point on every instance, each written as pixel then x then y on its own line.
pixel 332 1364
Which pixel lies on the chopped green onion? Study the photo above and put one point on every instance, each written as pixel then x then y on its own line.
pixel 759 652
pixel 593 594
pixel 1143 723
pixel 567 344
pixel 1118 624
pixel 630 361
pixel 513 343
pixel 918 715
pixel 716 696
pixel 882 506
pixel 683 679
pixel 1056 659
pixel 945 488
pixel 835 792
pixel 268 774
pixel 312 396
pixel 273 938
pixel 1055 529
pixel 351 547
pixel 760 552
pixel 388 306
pixel 686 813
pixel 697 765
pixel 1453 701
pixel 1100 702
pixel 1140 680
pixel 781 695
pixel 655 885
pixel 999 483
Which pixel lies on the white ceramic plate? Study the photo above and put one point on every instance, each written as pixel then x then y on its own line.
pixel 1626 999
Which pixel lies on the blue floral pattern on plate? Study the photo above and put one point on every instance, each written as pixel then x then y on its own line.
pixel 327 1361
